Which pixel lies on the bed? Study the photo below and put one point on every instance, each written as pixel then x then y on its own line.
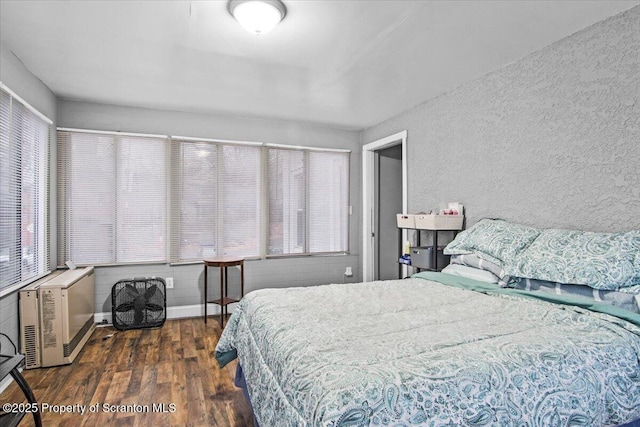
pixel 438 349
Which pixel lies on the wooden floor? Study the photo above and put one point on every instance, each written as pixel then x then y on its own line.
pixel 173 365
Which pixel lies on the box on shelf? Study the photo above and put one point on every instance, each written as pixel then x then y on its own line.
pixel 406 220
pixel 405 259
pixel 422 257
pixel 439 222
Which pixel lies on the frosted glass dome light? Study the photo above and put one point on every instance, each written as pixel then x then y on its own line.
pixel 257 16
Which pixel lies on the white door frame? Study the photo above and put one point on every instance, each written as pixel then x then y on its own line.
pixel 368 183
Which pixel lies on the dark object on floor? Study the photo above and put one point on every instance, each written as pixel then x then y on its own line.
pixel 139 303
pixel 11 414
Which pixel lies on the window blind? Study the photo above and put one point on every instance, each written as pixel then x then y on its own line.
pixel 287 201
pixel 308 201
pixel 130 198
pixel 24 190
pixel 328 201
pixel 112 198
pixel 215 200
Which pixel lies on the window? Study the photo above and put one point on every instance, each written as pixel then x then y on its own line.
pixel 308 201
pixel 328 201
pixel 287 204
pixel 123 197
pixel 215 200
pixel 24 189
pixel 112 198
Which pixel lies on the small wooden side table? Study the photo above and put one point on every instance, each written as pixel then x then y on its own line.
pixel 222 263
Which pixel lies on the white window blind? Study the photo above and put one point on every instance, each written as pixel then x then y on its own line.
pixel 112 199
pixel 328 201
pixel 119 192
pixel 308 201
pixel 24 189
pixel 215 200
pixel 287 203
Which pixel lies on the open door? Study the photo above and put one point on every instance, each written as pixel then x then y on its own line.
pixel 370 202
pixel 387 203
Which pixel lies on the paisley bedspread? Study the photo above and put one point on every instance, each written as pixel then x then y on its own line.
pixel 418 352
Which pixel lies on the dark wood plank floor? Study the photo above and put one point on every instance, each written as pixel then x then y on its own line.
pixel 171 365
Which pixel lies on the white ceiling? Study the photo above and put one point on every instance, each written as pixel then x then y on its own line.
pixel 347 64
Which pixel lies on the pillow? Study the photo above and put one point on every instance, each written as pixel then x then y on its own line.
pixel 472 260
pixel 470 273
pixel 634 244
pixel 494 240
pixel 606 261
pixel 625 300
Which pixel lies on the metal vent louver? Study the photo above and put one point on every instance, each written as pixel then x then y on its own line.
pixel 30 348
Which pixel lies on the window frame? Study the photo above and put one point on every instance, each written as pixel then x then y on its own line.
pixel 41 145
pixel 263 225
pixel 307 201
pixel 176 185
pixel 119 142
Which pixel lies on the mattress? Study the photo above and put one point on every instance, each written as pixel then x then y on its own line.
pixel 431 350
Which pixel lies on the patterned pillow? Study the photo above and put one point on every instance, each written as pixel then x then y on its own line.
pixel 472 260
pixel 626 300
pixel 494 240
pixel 634 245
pixel 471 273
pixel 600 260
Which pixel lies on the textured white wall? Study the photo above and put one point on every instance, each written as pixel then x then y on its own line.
pixel 552 140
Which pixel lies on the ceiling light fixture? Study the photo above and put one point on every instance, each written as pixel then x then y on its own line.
pixel 257 16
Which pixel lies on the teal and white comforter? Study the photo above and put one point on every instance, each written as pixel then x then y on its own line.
pixel 418 352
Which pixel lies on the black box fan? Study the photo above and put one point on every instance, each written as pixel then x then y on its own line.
pixel 139 303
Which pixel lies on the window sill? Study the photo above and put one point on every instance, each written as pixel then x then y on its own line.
pixel 15 288
pixel 199 261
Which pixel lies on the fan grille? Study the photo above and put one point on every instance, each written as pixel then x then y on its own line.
pixel 139 303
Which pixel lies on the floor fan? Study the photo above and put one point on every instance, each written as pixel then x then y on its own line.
pixel 139 303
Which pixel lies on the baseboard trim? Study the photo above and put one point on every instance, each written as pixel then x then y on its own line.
pixel 177 312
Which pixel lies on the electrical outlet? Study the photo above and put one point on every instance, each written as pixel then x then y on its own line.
pixel 169 282
pixel 348 272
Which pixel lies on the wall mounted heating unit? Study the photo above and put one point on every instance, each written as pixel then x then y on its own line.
pixel 57 317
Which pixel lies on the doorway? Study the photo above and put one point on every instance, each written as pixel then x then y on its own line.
pixel 388 203
pixel 374 250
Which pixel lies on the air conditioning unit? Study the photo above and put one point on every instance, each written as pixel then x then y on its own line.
pixel 57 317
